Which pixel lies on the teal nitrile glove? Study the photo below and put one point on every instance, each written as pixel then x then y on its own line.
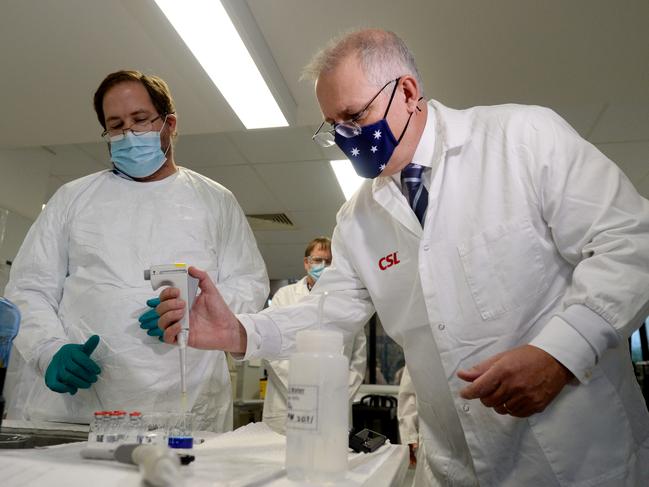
pixel 72 368
pixel 149 320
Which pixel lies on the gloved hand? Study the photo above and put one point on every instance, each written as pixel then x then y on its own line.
pixel 72 368
pixel 149 320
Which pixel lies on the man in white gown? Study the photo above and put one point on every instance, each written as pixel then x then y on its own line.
pixel 79 272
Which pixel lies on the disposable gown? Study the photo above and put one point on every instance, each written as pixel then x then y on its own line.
pixel 80 270
pixel 532 236
pixel 276 400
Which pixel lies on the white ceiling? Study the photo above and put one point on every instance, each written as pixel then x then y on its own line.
pixel 587 59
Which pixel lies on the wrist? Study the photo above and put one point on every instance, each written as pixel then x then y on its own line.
pixel 239 339
pixel 46 353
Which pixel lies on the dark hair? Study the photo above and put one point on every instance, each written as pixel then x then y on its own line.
pixel 156 87
pixel 322 242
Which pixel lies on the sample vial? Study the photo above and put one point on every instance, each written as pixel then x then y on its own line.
pixel 121 425
pixel 97 427
pixel 135 427
pixel 110 435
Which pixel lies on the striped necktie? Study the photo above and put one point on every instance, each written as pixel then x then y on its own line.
pixel 411 179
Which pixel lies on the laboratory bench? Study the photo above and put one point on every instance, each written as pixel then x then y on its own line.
pixel 249 455
pixel 35 434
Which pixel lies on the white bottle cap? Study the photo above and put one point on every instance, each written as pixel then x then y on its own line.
pixel 319 341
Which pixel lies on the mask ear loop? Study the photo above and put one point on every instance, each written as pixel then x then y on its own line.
pixel 404 128
pixel 170 136
pixel 394 90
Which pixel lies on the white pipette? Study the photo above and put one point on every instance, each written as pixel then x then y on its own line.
pixel 176 275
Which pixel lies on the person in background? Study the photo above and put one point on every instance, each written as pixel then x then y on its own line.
pixel 317 257
pixel 506 255
pixel 78 277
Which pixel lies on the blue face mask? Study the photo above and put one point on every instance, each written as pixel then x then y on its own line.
pixel 371 149
pixel 138 156
pixel 315 271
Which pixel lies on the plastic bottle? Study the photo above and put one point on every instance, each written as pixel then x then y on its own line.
pixel 317 422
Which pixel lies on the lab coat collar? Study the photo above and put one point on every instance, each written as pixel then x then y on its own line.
pixel 453 125
pixel 388 195
pixel 425 152
pixel 445 129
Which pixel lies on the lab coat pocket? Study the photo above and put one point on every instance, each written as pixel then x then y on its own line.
pixel 503 268
pixel 573 430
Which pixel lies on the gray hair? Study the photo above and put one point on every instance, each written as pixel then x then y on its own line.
pixel 383 56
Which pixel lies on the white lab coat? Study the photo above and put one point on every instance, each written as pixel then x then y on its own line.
pixel 79 272
pixel 276 400
pixel 531 236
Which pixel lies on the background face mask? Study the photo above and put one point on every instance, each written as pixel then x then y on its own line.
pixel 138 156
pixel 315 271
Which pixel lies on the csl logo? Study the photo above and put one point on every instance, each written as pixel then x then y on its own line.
pixel 388 261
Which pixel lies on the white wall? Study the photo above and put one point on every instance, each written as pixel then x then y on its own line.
pixel 13 228
pixel 24 180
pixel 24 187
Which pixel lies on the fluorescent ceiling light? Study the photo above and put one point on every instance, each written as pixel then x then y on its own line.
pixel 347 178
pixel 210 35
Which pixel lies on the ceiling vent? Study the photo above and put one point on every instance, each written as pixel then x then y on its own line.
pixel 270 221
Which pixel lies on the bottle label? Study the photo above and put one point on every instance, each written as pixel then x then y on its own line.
pixel 302 408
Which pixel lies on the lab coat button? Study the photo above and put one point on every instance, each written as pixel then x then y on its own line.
pixel 426 247
pixel 587 374
pixel 441 326
pixel 465 408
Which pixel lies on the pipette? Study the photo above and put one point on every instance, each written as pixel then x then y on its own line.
pixel 176 275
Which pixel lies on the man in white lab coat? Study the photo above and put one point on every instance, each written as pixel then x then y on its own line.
pixel 317 257
pixel 504 253
pixel 78 277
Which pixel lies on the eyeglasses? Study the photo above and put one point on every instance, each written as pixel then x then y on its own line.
pixel 139 127
pixel 349 128
pixel 318 260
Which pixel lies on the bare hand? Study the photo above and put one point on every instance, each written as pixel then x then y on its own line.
pixel 212 325
pixel 412 447
pixel 519 382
